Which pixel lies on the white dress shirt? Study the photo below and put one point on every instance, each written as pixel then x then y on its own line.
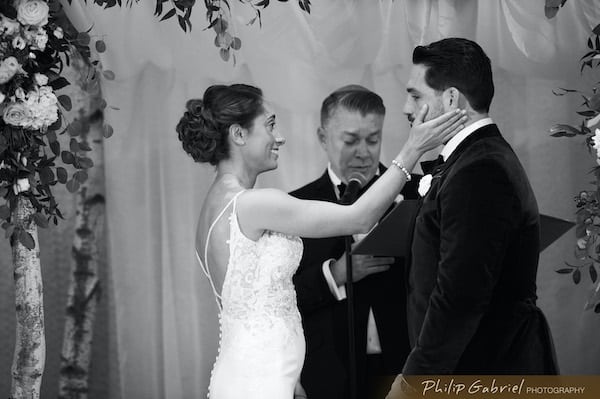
pixel 463 134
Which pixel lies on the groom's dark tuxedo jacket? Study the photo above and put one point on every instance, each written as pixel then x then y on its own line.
pixel 472 275
pixel 324 318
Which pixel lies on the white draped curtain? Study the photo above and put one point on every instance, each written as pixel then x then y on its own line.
pixel 165 315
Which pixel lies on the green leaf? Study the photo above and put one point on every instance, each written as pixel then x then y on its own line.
pixel 67 157
pixel 564 271
pixel 597 308
pixel 51 136
pixel 108 75
pixel 74 145
pixel 85 163
pixel 9 231
pixel 81 176
pixel 593 273
pixel 100 46
pixel 560 130
pixel 46 175
pixel 40 220
pixel 26 239
pixel 75 128
pixel 236 44
pixel 596 30
pixel 65 101
pixel 83 38
pixel 55 147
pixel 224 53
pixel 107 131
pixel 587 113
pixel 169 14
pixel 83 146
pixel 577 276
pixel 182 23
pixel 61 175
pixel 4 212
pixel 72 186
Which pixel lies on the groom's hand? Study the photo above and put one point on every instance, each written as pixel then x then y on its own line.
pixel 362 266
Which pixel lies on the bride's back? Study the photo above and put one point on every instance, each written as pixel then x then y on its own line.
pixel 214 216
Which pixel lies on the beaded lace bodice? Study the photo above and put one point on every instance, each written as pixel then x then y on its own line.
pixel 258 316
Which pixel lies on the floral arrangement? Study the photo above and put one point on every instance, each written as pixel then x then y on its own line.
pixel 36 41
pixel 587 248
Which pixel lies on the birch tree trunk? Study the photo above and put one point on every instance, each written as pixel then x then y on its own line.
pixel 84 288
pixel 30 346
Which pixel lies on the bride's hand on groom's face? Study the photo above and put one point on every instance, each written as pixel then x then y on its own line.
pixel 362 266
pixel 427 135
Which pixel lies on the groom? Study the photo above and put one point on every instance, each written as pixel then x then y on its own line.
pixel 472 277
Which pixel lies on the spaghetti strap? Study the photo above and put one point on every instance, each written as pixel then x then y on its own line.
pixel 205 267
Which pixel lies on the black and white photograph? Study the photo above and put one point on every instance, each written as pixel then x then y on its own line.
pixel 299 199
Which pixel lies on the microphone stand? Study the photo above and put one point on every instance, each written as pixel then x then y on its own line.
pixel 355 182
pixel 351 323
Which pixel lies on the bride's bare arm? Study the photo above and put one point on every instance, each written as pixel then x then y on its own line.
pixel 271 209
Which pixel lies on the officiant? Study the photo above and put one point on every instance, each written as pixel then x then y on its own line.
pixel 351 134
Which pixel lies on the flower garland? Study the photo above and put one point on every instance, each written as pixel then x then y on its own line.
pixel 36 41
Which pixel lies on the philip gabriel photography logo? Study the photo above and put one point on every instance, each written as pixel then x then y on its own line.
pixel 504 387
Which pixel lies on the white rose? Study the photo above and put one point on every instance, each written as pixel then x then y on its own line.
pixel 40 40
pixel 596 140
pixel 19 43
pixel 424 185
pixel 33 12
pixel 41 79
pixel 58 32
pixel 581 243
pixel 16 114
pixel 8 25
pixel 20 93
pixel 11 64
pixel 21 185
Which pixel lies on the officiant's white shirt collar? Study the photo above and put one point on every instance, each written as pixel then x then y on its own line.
pixel 335 179
pixel 463 134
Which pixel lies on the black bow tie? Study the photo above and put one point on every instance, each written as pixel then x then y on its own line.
pixel 341 189
pixel 429 166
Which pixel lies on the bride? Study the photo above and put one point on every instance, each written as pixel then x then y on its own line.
pixel 248 239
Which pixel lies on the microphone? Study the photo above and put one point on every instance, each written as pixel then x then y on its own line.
pixel 356 181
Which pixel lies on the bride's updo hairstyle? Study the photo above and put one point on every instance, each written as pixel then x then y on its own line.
pixel 204 127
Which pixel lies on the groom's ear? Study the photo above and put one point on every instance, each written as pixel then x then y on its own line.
pixel 451 97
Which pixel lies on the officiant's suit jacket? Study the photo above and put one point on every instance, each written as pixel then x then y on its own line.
pixel 472 275
pixel 324 318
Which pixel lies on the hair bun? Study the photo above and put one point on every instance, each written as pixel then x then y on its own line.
pixel 199 134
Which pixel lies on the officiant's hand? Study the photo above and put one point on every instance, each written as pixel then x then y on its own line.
pixel 362 266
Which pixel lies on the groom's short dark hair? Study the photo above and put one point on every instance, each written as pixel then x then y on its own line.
pixel 459 63
pixel 353 98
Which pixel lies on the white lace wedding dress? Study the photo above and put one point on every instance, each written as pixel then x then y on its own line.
pixel 261 348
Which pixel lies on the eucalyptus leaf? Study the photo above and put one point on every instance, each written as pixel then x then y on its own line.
pixel 65 101
pixel 107 131
pixel 577 276
pixel 108 75
pixel 593 273
pixel 26 239
pixel 40 220
pixel 72 185
pixel 564 271
pixel 61 175
pixel 100 46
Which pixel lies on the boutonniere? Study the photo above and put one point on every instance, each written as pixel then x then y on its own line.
pixel 424 185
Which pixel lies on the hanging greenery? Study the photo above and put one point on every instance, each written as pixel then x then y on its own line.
pixel 218 15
